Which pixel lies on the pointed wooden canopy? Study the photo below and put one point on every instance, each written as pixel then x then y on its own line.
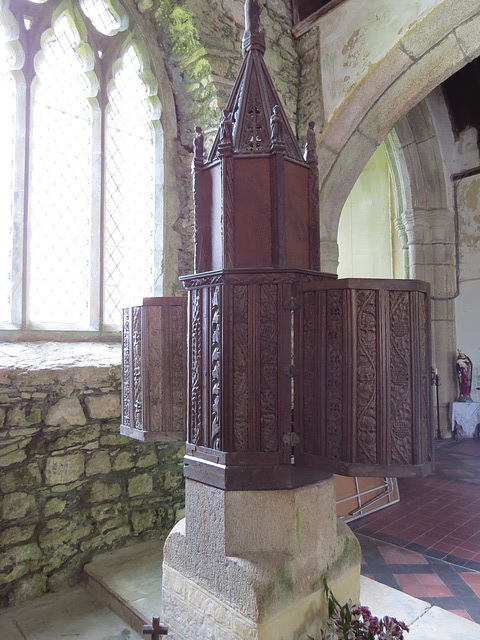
pixel 253 98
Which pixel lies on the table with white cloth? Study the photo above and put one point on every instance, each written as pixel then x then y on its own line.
pixel 467 416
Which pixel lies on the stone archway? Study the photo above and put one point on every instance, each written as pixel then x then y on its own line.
pixel 430 52
pixel 426 223
pixel 392 97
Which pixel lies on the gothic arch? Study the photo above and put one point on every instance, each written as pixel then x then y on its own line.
pixel 425 222
pixel 428 54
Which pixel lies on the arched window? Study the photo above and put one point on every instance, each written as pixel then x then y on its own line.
pixel 80 172
pixel 11 57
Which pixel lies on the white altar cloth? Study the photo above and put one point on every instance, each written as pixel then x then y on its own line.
pixel 467 415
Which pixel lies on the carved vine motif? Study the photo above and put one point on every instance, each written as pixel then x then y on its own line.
pixel 240 360
pixel 366 376
pixel 137 366
pixel 334 395
pixel 215 369
pixel 126 364
pixel 400 366
pixel 195 421
pixel 178 368
pixel 250 277
pixel 268 367
pixel 310 370
pixel 156 348
pixel 202 281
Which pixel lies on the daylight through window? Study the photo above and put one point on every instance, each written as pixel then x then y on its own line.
pixel 78 158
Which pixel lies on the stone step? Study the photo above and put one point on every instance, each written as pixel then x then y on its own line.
pixel 69 614
pixel 129 582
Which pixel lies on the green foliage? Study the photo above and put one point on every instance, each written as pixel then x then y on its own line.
pixel 353 622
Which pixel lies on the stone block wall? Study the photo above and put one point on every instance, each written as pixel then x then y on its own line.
pixel 70 485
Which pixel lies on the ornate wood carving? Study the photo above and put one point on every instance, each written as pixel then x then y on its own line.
pixel 154 370
pixel 400 376
pixel 126 369
pixel 370 375
pixel 241 398
pixel 360 353
pixel 334 349
pixel 137 367
pixel 254 276
pixel 216 377
pixel 269 368
pixel 195 377
pixel 367 375
pixel 307 400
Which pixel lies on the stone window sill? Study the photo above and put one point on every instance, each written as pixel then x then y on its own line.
pixel 31 356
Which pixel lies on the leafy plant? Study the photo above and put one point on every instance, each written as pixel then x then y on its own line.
pixel 354 622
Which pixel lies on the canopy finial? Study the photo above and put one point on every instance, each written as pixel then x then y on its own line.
pixel 254 37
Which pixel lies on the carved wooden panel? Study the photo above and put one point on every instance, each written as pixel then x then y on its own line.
pixel 363 384
pixel 240 376
pixel 154 370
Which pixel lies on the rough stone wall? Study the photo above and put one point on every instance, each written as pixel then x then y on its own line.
pixel 70 485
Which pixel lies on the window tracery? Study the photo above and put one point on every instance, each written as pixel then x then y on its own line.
pixel 82 198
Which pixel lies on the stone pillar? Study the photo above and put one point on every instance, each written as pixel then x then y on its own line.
pixel 251 564
pixel 432 258
pixel 328 256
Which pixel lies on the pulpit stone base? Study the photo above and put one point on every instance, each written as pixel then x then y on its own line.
pixel 250 564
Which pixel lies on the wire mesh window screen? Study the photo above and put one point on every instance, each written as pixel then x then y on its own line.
pixel 130 191
pixel 72 255
pixel 60 186
pixel 101 16
pixel 7 142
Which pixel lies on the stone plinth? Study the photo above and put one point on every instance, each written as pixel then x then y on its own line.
pixel 250 564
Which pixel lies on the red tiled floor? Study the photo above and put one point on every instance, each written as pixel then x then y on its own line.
pixel 421 586
pixel 463 613
pixel 437 519
pixel 396 555
pixel 473 581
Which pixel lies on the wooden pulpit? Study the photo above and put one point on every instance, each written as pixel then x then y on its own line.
pixel 290 372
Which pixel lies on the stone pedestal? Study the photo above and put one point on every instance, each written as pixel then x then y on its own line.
pixel 250 564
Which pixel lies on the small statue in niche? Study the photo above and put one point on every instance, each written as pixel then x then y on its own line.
pixel 464 374
pixel 226 129
pixel 276 125
pixel 198 146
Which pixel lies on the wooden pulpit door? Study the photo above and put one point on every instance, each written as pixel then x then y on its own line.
pixel 362 396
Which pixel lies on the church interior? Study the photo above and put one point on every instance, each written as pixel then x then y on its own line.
pixel 103 104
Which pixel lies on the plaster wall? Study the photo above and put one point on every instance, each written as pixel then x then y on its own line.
pixel 356 36
pixel 369 245
pixel 467 305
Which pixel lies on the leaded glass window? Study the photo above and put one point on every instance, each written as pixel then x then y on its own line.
pixel 60 185
pixel 7 145
pixel 130 188
pixel 79 179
